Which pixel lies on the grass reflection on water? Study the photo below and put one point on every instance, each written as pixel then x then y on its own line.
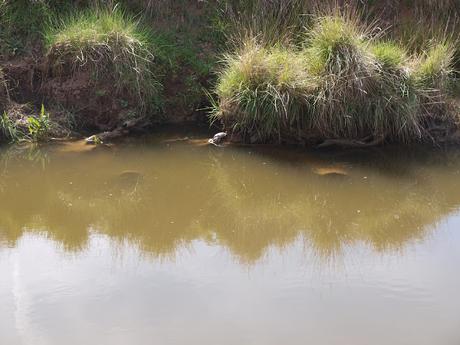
pixel 160 197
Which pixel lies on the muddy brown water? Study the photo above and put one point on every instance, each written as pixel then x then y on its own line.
pixel 164 241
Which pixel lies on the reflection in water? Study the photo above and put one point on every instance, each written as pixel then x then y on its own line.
pixel 161 197
pixel 174 243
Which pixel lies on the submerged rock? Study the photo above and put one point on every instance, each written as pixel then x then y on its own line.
pixel 330 171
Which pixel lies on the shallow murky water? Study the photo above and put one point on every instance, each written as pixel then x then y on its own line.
pixel 172 242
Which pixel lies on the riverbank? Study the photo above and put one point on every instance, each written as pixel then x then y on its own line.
pixel 347 75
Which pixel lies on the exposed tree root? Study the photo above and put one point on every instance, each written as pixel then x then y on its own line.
pixel 120 131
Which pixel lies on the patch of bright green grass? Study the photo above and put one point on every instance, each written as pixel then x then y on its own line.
pixel 332 43
pixel 389 54
pixel 435 67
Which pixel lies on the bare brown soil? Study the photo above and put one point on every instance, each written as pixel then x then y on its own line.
pixel 94 105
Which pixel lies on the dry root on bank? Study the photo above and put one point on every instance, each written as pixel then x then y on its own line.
pixel 137 125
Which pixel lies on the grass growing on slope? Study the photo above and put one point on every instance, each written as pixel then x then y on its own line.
pixel 112 46
pixel 389 55
pixel 434 75
pixel 435 67
pixel 263 91
pixel 23 21
pixel 360 93
pixel 340 83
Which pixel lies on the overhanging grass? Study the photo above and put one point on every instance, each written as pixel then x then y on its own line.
pixel 263 91
pixel 341 83
pixel 112 46
pixel 359 94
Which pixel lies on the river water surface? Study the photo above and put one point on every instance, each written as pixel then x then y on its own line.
pixel 159 241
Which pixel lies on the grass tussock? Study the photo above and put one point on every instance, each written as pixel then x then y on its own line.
pixel 263 90
pixel 340 82
pixel 110 45
pixel 435 67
